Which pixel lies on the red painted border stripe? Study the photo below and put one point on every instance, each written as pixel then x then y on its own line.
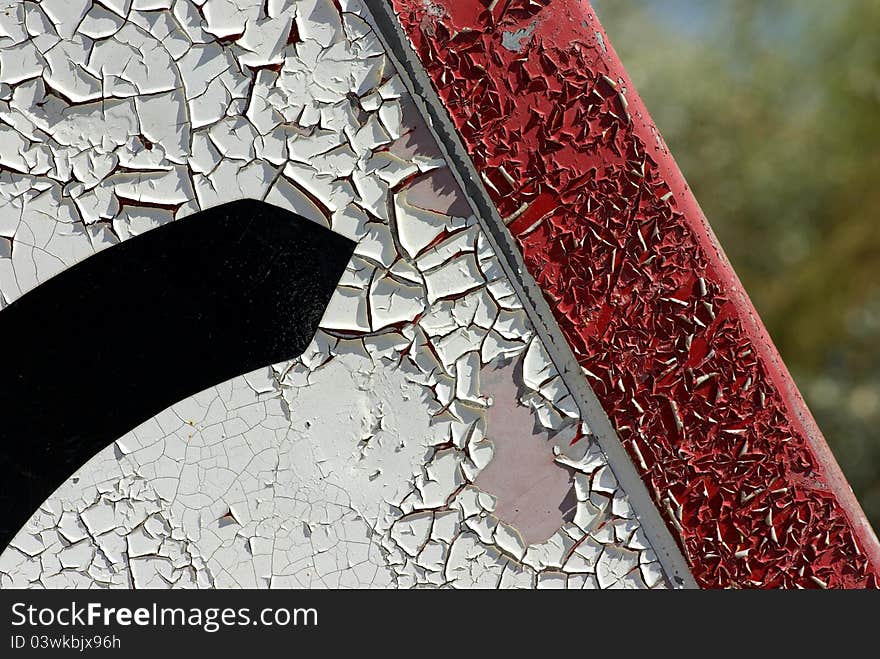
pixel 641 289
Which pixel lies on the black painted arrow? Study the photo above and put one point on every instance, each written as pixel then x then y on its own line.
pixel 107 344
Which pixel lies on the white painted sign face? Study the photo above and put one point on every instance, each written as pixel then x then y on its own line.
pixel 423 438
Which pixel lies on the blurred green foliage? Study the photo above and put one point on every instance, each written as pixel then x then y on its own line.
pixel 772 110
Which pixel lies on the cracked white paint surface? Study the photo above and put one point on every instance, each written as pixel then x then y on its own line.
pixel 357 464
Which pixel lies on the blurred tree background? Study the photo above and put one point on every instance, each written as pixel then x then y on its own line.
pixel 772 110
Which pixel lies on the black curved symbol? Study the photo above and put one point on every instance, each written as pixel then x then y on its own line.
pixel 114 340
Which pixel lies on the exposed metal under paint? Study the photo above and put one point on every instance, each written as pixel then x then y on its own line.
pixel 267 480
pixel 531 489
pixel 517 40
